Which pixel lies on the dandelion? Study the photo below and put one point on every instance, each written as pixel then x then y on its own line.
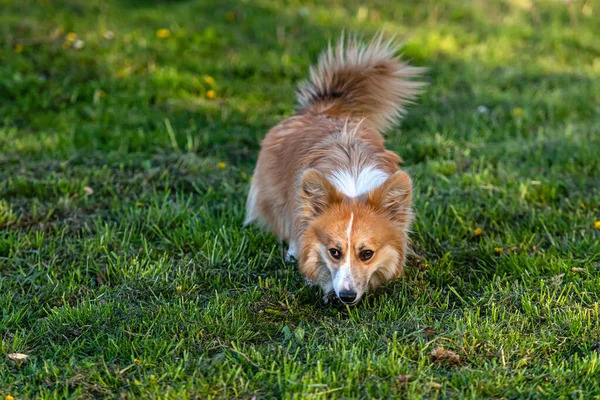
pixel 517 112
pixel 9 397
pixel 597 224
pixel 363 13
pixel 498 249
pixel 303 12
pixel 109 35
pixel 179 289
pixel 478 232
pixel 221 165
pixel 163 33
pixel 483 110
pixel 79 44
pixel 209 79
pixel 211 94
pixel 18 48
pixel 138 361
pixel 71 36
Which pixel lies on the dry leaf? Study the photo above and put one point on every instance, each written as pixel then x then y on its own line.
pixel 403 379
pixel 88 190
pixel 441 356
pixel 429 332
pixel 577 269
pixel 435 385
pixel 18 356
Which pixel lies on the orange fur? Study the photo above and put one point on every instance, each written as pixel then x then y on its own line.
pixel 324 177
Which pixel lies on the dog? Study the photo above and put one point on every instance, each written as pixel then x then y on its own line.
pixel 325 184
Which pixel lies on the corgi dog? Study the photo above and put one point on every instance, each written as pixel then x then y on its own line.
pixel 325 184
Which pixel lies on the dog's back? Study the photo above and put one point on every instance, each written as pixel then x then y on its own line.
pixel 351 85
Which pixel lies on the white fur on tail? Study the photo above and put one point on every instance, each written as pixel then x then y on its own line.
pixel 361 80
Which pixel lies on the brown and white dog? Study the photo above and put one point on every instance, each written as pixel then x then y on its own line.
pixel 324 182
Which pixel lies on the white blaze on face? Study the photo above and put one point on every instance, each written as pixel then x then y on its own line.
pixel 342 280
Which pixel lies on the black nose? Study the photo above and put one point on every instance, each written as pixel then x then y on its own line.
pixel 347 297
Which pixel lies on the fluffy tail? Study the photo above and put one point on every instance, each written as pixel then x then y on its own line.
pixel 361 80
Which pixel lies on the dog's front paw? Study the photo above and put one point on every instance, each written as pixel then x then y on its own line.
pixel 289 257
pixel 328 296
pixel 291 254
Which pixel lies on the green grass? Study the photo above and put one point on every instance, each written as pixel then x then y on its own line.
pixel 124 266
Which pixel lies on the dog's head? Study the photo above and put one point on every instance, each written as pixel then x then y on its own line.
pixel 352 245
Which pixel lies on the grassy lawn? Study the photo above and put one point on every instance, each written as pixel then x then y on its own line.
pixel 128 134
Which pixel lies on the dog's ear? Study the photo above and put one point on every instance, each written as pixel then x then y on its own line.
pixel 394 198
pixel 317 194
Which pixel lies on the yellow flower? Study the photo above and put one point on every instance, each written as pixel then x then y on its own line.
pixel 137 361
pixel 209 79
pixel 9 397
pixel 18 48
pixel 517 112
pixel 140 204
pixel 498 249
pixel 230 16
pixel 597 224
pixel 71 36
pixel 163 33
pixel 478 232
pixel 583 206
pixel 211 94
pixel 221 165
pixel 179 289
pixel 98 94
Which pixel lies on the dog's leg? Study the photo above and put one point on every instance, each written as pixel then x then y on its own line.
pixel 328 291
pixel 282 251
pixel 292 252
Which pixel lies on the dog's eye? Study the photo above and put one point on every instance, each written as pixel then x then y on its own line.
pixel 366 255
pixel 335 253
